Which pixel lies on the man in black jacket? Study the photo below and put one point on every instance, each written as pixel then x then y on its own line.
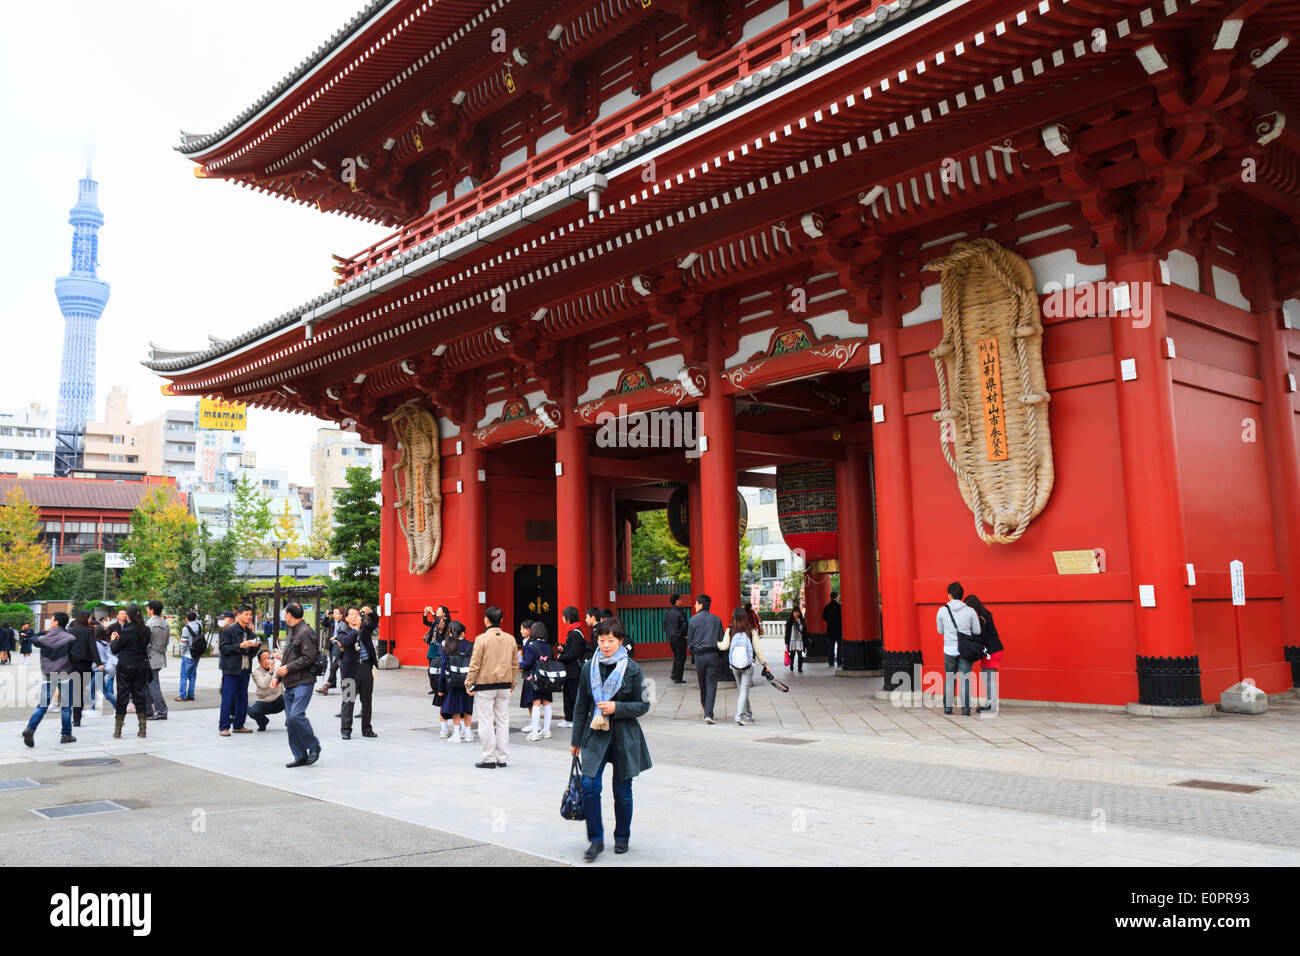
pixel 675 632
pixel 238 649
pixel 357 663
pixel 295 671
pixel 703 634
pixel 832 615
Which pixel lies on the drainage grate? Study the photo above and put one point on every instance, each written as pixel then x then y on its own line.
pixel 90 762
pixel 78 809
pixel 788 741
pixel 1216 785
pixel 20 783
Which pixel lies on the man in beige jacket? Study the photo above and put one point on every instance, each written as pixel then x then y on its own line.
pixel 493 667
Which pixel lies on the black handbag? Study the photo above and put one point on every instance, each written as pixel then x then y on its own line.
pixel 571 802
pixel 969 647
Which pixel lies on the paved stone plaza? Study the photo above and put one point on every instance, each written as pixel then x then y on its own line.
pixel 826 775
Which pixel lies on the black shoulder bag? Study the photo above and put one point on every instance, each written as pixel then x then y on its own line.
pixel 969 647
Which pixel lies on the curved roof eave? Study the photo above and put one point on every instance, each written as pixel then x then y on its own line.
pixel 194 143
pixel 620 156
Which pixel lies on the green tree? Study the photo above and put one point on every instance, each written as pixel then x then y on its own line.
pixel 24 561
pixel 322 530
pixel 747 557
pixel 250 521
pixel 60 585
pixel 356 541
pixel 89 584
pixel 286 530
pixel 653 543
pixel 205 578
pixel 158 529
pixel 16 615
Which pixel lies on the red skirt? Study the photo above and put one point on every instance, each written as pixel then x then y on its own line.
pixel 991 662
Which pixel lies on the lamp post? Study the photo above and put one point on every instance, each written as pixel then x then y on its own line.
pixel 275 622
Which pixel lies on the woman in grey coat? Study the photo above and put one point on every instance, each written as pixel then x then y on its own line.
pixel 611 696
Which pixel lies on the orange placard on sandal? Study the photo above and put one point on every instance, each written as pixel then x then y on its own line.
pixel 995 429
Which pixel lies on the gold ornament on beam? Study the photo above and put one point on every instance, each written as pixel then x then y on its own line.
pixel 992 416
pixel 417 476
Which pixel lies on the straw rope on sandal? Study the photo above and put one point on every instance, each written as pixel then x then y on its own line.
pixel 419 495
pixel 989 298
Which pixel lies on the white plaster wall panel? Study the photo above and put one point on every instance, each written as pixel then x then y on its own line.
pixel 674 70
pixel 617 102
pixel 765 21
pixel 536 398
pixel 666 367
pixel 1291 309
pixel 930 309
pixel 438 201
pixel 1064 269
pixel 838 323
pixel 749 344
pixel 554 138
pixel 1184 270
pixel 514 159
pixel 598 385
pixel 1228 289
pixel 447 428
pixel 492 413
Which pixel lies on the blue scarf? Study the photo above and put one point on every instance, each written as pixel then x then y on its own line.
pixel 611 685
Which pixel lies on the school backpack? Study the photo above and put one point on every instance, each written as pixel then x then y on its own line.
pixel 549 675
pixel 741 654
pixel 458 665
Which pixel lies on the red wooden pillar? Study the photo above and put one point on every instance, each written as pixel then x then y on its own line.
pixel 602 543
pixel 695 526
pixel 1278 413
pixel 901 650
pixel 719 515
pixel 572 510
pixel 390 540
pixel 857 543
pixel 473 508
pixel 1168 670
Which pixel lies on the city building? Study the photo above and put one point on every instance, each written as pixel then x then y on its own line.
pixel 1019 279
pixel 82 297
pixel 332 454
pixel 216 508
pixel 27 441
pixel 115 446
pixel 85 514
pixel 772 559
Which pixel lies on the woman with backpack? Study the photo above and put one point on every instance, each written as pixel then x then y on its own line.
pixel 992 653
pixel 436 634
pixel 457 706
pixel 605 731
pixel 795 648
pixel 536 695
pixel 742 646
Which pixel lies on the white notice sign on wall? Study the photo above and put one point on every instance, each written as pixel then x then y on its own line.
pixel 1237 572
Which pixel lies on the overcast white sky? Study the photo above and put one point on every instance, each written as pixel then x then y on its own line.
pixel 185 257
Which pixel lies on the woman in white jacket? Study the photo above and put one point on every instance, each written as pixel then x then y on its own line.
pixel 742 633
